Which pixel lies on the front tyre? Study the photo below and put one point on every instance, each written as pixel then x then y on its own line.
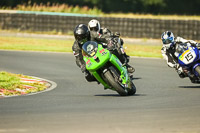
pixel 197 69
pixel 120 90
pixel 132 90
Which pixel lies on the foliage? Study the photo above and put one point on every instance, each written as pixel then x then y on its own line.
pixel 56 7
pixel 181 7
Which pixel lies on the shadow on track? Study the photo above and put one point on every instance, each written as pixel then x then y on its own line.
pixel 117 95
pixel 191 87
pixel 136 78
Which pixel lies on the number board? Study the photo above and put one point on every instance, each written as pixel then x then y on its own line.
pixel 188 56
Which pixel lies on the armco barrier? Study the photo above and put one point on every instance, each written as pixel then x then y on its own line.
pixel 128 27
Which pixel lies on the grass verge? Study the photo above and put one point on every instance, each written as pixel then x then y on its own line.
pixel 18 84
pixel 56 45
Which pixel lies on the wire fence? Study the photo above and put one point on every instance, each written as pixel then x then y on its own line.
pixel 127 27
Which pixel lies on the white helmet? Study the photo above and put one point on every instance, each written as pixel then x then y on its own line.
pixel 94 25
pixel 167 39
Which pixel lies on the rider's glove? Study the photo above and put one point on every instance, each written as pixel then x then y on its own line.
pixel 110 45
pixel 192 42
pixel 198 45
pixel 117 34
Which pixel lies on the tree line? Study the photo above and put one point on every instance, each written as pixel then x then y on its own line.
pixel 180 7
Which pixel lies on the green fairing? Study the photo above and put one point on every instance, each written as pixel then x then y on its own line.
pixel 124 75
pixel 93 65
pixel 104 57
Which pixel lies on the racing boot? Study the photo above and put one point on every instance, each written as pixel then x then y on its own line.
pixel 130 68
pixel 193 78
pixel 181 75
pixel 125 59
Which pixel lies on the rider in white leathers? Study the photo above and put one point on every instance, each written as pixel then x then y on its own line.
pixel 170 53
pixel 96 32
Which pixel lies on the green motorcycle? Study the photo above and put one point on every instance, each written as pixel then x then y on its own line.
pixel 107 69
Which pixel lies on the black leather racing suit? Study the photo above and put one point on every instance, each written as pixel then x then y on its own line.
pixel 110 41
pixel 77 51
pixel 106 38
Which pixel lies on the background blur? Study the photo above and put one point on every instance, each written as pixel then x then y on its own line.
pixel 190 7
pixel 132 18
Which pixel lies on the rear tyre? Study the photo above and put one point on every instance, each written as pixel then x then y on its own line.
pixel 120 90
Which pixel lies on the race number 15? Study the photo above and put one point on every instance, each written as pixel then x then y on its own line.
pixel 189 56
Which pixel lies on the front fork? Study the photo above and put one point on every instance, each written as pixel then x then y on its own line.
pixel 124 74
pixel 194 71
pixel 191 72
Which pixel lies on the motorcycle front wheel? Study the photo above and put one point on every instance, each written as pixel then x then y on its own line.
pixel 120 90
pixel 132 90
pixel 197 69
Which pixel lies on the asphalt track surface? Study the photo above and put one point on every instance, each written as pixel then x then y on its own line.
pixel 163 103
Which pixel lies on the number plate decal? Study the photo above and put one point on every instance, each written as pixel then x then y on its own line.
pixel 188 56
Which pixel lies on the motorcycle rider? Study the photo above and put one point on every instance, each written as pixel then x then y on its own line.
pixel 170 51
pixel 96 32
pixel 82 35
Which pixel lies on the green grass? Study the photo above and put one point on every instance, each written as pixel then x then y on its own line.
pixel 32 44
pixel 10 84
pixel 8 80
pixel 143 50
pixel 56 45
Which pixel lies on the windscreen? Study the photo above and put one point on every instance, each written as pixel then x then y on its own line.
pixel 89 48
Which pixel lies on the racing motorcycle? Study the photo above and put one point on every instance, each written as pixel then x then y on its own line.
pixel 107 69
pixel 189 59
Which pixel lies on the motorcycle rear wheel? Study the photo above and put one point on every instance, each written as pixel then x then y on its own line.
pixel 120 90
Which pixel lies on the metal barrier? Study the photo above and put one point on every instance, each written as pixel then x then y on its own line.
pixel 128 27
